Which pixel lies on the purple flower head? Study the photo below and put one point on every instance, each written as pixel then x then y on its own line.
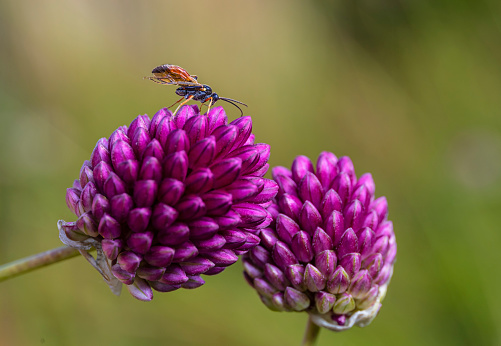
pixel 170 198
pixel 330 249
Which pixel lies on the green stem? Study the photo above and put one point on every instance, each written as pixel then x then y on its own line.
pixel 311 333
pixel 27 264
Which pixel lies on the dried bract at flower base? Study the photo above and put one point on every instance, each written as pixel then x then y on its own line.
pixel 170 198
pixel 330 249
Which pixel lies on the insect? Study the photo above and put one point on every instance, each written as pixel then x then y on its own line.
pixel 189 87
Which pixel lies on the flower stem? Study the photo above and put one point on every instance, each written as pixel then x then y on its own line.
pixel 27 264
pixel 311 333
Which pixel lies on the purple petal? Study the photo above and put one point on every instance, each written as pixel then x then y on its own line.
pixel 282 255
pixel 380 205
pixel 326 262
pixel 151 169
pixel 140 140
pixel 170 191
pixel 87 195
pixel 121 151
pixel 122 275
pixel 101 172
pixel 374 264
pixel 202 228
pixel 184 252
pixel 334 227
pixel 268 238
pixel 286 185
pixel 86 176
pixel 222 257
pixel 339 281
pixel 276 277
pixel 324 301
pixel 366 179
pixel 194 281
pixel 226 172
pixel 128 171
pixel 264 288
pixel 119 134
pixel 344 304
pixel 138 219
pixel 175 165
pixel 108 227
pixel 202 152
pixel 290 205
pixel 331 202
pixel 87 224
pixel 225 139
pixel 214 243
pixel 159 256
pixel 100 153
pixel 111 247
pixel 129 261
pixel 296 300
pixel 321 241
pixel 233 238
pixel 121 205
pixel 342 185
pixel 164 127
pixel 310 189
pixel 348 243
pixel 351 263
pixel 174 275
pixel 249 156
pixel 286 228
pixel 191 207
pixel 140 242
pixel 244 126
pixel 199 181
pixel 229 220
pixel 217 202
pixel 150 273
pixel 326 168
pixel 250 214
pixel 177 140
pixel 195 128
pixel 216 117
pixel 366 238
pixel 295 274
pixel 314 279
pixel 100 206
pixel 72 199
pixel 300 167
pixel 301 247
pixel 196 266
pixel 141 121
pixel 175 234
pixel 260 256
pixel 157 119
pixel 163 216
pixel 154 149
pixel 113 186
pixel 309 217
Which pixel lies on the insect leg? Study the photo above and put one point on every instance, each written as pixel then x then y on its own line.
pixel 210 104
pixel 175 103
pixel 182 103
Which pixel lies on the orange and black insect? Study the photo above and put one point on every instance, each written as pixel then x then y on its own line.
pixel 189 88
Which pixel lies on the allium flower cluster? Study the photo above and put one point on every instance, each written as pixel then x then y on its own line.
pixel 168 199
pixel 330 250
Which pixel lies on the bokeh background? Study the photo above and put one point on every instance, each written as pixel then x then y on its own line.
pixel 410 90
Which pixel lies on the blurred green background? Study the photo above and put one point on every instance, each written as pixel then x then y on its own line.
pixel 410 90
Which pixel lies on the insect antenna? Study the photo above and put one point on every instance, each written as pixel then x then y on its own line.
pixel 231 101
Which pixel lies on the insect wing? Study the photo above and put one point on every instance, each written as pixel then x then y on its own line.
pixel 172 74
